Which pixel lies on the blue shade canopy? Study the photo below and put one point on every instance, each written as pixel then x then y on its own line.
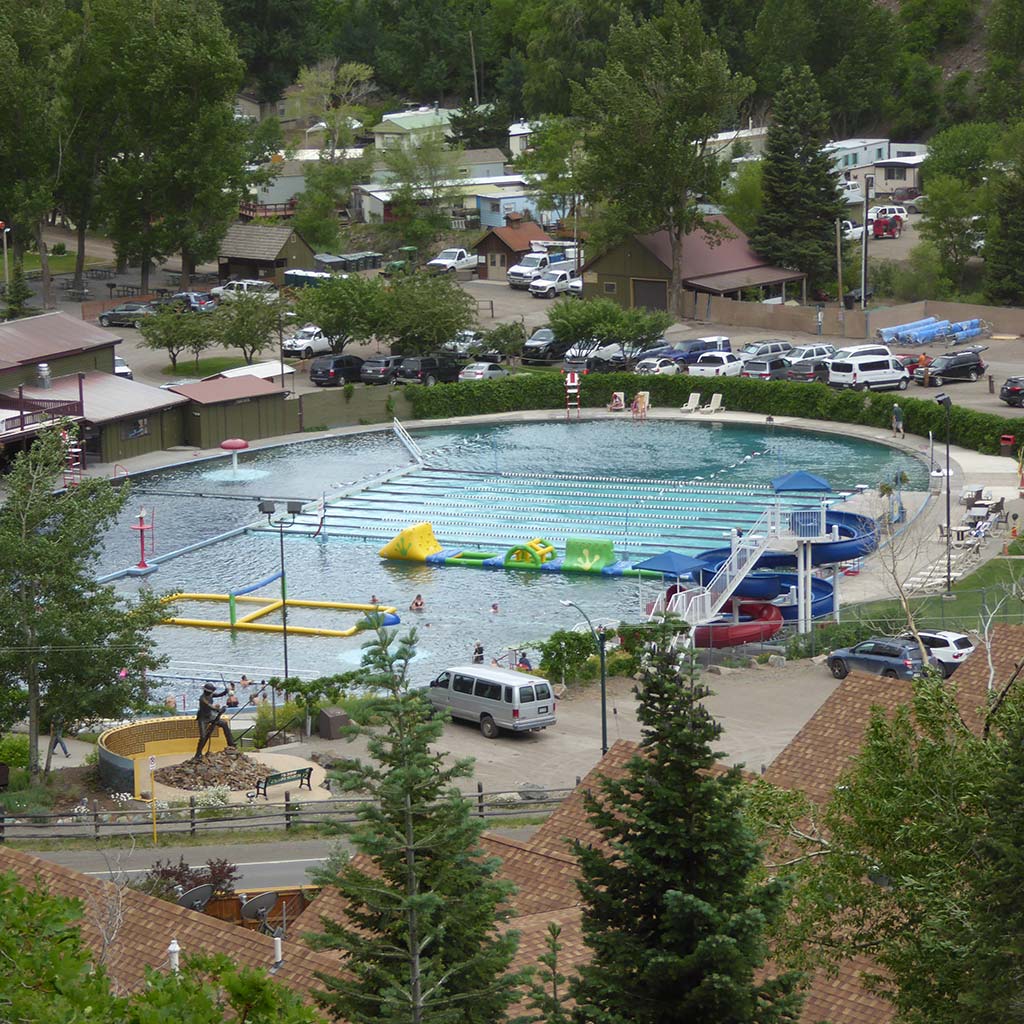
pixel 800 481
pixel 671 563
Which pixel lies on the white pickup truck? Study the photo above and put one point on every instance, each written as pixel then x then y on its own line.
pixel 450 260
pixel 556 280
pixel 853 232
pixel 532 266
pixel 307 342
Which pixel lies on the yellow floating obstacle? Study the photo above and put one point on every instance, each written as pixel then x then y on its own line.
pixel 269 605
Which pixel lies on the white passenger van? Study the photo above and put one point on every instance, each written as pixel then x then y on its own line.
pixel 495 698
pixel 868 372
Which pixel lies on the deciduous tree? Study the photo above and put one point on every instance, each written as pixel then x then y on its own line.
pixel 346 309
pixel 174 332
pixel 648 116
pixel 952 223
pixel 248 323
pixel 421 312
pixel 65 640
pixel 422 905
pixel 796 226
pixel 674 912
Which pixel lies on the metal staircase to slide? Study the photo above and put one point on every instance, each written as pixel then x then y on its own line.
pixel 700 605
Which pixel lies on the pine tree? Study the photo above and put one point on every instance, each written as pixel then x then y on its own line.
pixel 420 935
pixel 796 227
pixel 1004 242
pixel 18 293
pixel 673 913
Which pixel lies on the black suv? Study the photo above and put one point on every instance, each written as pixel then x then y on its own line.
pixel 966 364
pixel 380 370
pixel 1012 392
pixel 542 349
pixel 428 370
pixel 330 371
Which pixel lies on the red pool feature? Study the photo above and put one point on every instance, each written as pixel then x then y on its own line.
pixel 759 621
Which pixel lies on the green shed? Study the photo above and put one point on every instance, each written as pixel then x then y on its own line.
pixel 224 407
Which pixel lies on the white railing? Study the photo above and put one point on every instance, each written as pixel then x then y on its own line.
pixel 405 437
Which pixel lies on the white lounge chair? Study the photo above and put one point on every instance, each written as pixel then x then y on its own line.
pixel 715 405
pixel 692 403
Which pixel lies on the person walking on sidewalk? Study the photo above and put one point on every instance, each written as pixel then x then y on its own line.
pixel 57 737
pixel 897 421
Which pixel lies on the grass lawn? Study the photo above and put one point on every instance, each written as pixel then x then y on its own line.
pixel 58 264
pixel 980 590
pixel 188 367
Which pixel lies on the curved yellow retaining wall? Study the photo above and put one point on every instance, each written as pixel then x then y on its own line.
pixel 124 750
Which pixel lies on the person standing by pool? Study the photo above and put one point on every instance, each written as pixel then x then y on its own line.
pixel 897 421
pixel 478 653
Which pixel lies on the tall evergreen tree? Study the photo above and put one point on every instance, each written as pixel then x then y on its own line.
pixel 420 936
pixel 1004 241
pixel 672 911
pixel 796 228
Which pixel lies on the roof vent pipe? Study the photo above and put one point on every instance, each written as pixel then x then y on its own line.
pixel 174 955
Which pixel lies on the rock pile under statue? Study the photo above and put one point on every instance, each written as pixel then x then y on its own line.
pixel 228 767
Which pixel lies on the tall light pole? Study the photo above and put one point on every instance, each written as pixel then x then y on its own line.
pixel 599 640
pixel 269 509
pixel 947 403
pixel 5 230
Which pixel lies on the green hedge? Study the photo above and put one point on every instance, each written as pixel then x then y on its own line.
pixel 979 431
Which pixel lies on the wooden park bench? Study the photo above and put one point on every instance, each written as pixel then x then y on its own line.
pixel 300 775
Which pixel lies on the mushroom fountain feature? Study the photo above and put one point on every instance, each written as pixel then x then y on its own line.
pixel 234 445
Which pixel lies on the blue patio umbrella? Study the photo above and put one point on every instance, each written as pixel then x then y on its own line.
pixel 671 563
pixel 800 480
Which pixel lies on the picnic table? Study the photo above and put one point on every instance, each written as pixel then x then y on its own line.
pixel 79 294
pixel 99 273
pixel 127 290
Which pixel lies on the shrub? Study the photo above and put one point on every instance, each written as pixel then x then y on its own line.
pixel 58 249
pixel 568 657
pixel 162 879
pixel 288 712
pixel 14 750
pixel 620 663
pixel 978 431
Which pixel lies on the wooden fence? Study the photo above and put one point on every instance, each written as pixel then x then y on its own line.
pixel 192 818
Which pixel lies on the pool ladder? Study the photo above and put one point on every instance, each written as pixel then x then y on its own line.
pixel 405 437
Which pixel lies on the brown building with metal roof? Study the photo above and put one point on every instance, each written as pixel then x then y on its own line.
pixel 232 407
pixel 638 271
pixel 264 252
pixel 67 344
pixel 502 248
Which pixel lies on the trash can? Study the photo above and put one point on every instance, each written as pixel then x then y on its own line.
pixel 375 260
pixel 1007 444
pixel 331 722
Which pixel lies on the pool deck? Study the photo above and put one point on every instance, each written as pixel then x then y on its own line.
pixel 913 548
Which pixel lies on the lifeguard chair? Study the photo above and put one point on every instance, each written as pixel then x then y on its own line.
pixel 572 395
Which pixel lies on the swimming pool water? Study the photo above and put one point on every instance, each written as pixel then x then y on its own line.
pixel 193 502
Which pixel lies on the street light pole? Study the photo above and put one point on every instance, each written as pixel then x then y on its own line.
pixel 947 403
pixel 5 230
pixel 269 509
pixel 599 641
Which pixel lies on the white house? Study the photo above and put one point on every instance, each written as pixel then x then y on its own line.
pixel 519 136
pixel 754 139
pixel 372 203
pixel 853 158
pixel 410 127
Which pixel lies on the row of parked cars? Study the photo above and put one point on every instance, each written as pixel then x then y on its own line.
pixel 862 367
pixel 899 657
pixel 340 368
pixel 131 314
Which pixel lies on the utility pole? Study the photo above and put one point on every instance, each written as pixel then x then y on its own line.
pixel 472 58
pixel 839 265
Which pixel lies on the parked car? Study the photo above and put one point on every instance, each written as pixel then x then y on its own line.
pixel 691 350
pixel 464 342
pixel 880 212
pixel 912 360
pixel 306 342
pixel 230 290
pixel 196 302
pixel 128 314
pixel 380 370
pixel 482 371
pixel 589 364
pixel 576 287
pixel 554 281
pixel 868 373
pixel 894 658
pixel 765 349
pixel 808 370
pixel 660 365
pixel 428 370
pixel 450 260
pixel 804 352
pixel 1012 392
pixel 948 648
pixel 859 350
pixel 494 698
pixel 964 364
pixel 916 205
pixel 122 369
pixel 772 368
pixel 905 195
pixel 335 369
pixel 717 364
pixel 542 348
pixel 852 231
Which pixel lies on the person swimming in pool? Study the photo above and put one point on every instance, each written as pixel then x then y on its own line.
pixel 417 604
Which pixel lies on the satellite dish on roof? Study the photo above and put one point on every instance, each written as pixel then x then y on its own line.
pixel 258 909
pixel 197 898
